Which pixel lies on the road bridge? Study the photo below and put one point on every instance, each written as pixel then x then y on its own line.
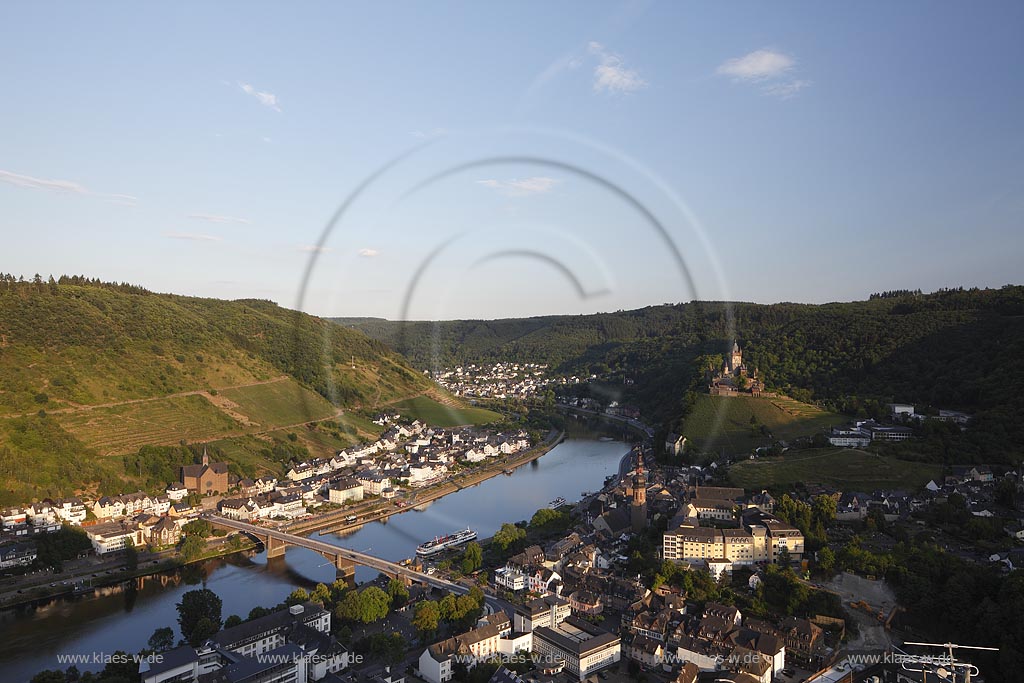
pixel 344 559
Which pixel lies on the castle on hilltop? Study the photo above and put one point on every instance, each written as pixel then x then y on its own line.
pixel 734 377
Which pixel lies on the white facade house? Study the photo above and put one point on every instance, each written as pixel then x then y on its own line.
pixel 110 537
pixel 345 491
pixel 70 510
pixel 435 667
pixel 176 492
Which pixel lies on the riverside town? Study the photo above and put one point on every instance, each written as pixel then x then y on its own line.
pixel 512 343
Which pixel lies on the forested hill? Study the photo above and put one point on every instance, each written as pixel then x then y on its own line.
pixel 88 343
pixel 961 349
pixel 102 385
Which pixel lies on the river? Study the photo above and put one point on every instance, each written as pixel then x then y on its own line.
pixel 31 638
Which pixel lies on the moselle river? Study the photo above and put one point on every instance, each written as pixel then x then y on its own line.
pixel 32 638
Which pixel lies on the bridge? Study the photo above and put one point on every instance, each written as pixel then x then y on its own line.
pixel 343 559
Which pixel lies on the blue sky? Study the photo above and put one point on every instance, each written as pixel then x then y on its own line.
pixel 791 152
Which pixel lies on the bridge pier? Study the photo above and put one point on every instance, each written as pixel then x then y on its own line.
pixel 275 548
pixel 345 569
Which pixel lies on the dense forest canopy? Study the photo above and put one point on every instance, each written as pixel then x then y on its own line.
pixel 954 348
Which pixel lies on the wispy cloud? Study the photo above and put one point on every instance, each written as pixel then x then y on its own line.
pixel 29 182
pixel 122 199
pixel 65 186
pixel 314 249
pixel 191 236
pixel 785 90
pixel 267 99
pixel 770 70
pixel 368 253
pixel 521 187
pixel 215 218
pixel 611 74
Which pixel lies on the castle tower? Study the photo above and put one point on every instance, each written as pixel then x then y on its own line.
pixel 735 358
pixel 638 508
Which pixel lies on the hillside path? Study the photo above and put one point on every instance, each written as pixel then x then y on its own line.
pixel 113 404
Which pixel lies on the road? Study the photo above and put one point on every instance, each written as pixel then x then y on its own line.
pixel 636 424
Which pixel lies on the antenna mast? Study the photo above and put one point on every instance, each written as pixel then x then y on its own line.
pixel 938 665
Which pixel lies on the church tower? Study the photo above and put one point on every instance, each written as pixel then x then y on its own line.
pixel 638 508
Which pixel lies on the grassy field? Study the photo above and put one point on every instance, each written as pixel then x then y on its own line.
pixel 277 404
pixel 845 468
pixel 440 415
pixel 125 428
pixel 720 423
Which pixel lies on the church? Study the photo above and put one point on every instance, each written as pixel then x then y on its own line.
pixel 206 478
pixel 734 377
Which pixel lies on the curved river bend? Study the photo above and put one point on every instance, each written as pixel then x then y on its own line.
pixel 31 638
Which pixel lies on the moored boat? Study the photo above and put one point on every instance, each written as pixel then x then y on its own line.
pixel 442 543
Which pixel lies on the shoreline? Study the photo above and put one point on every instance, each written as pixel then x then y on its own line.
pixel 334 521
pixel 158 563
pixel 114 573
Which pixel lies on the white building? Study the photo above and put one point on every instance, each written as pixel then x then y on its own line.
pixel 345 491
pixel 584 647
pixel 110 537
pixel 70 510
pixel 176 492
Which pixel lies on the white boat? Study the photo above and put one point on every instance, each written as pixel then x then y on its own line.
pixel 442 543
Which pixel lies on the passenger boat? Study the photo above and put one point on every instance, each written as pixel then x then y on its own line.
pixel 442 543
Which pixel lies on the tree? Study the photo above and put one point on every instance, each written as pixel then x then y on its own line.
pixel 198 612
pixel 205 628
pixel 297 596
pixel 131 555
pixel 449 609
pixel 426 618
pixel 162 639
pixel 508 536
pixel 472 558
pixel 826 560
pixel 1006 492
pixel 257 612
pixel 192 548
pixel 321 594
pixel 198 527
pixel 375 604
pixel 398 593
pixel 544 517
pixel 367 606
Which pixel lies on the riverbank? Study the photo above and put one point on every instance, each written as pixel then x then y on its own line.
pixel 335 521
pixel 101 574
pixel 33 636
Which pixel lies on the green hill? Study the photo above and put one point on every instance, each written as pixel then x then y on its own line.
pixel 432 412
pixel 91 372
pixel 844 468
pixel 958 349
pixel 739 424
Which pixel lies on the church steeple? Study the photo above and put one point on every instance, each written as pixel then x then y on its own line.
pixel 638 508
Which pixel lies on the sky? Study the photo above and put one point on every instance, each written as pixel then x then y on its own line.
pixel 488 160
